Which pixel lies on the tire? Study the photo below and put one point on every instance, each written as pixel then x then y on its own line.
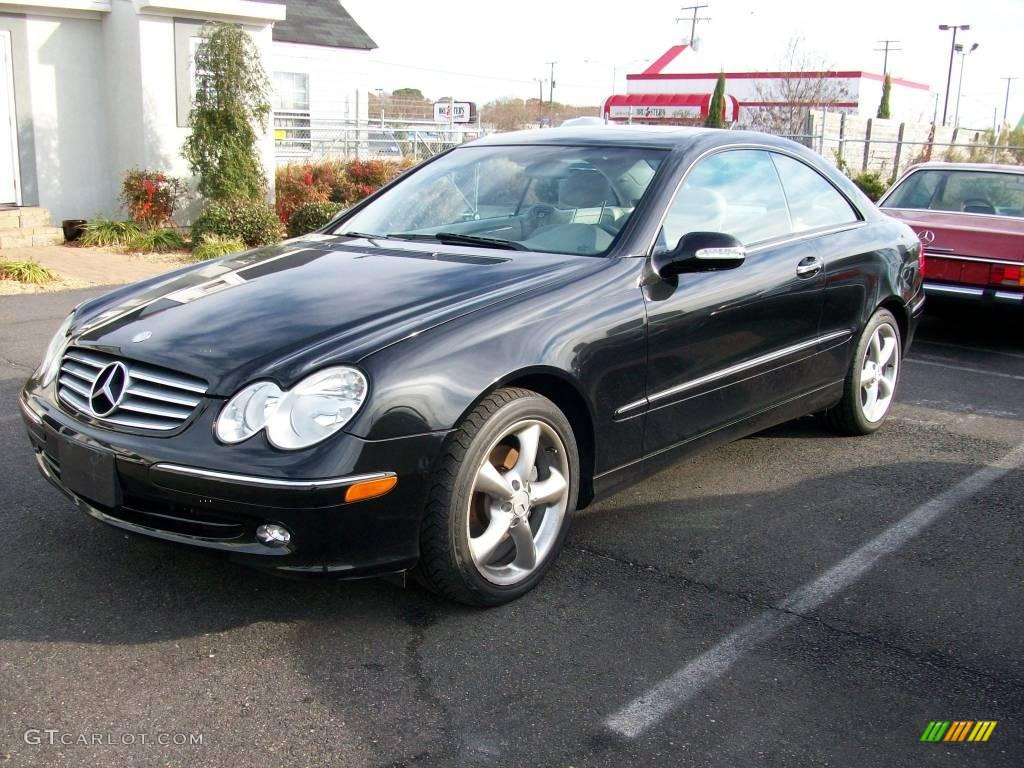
pixel 857 413
pixel 473 538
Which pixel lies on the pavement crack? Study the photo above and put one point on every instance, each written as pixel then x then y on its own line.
pixel 420 617
pixel 15 364
pixel 931 658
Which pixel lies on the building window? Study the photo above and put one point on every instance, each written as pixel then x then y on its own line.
pixel 187 37
pixel 291 91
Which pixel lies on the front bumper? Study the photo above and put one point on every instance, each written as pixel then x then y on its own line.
pixel 189 489
pixel 975 293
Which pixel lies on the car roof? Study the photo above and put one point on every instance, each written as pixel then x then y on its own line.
pixel 654 136
pixel 942 165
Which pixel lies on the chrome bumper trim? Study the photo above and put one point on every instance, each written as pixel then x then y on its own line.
pixel 34 417
pixel 1007 296
pixel 270 482
pixel 954 290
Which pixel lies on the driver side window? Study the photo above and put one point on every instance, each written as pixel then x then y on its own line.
pixel 736 192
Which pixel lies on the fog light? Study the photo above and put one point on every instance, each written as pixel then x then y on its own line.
pixel 273 535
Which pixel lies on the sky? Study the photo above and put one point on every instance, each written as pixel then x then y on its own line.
pixel 479 51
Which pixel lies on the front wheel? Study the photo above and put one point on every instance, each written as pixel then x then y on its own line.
pixel 871 380
pixel 502 500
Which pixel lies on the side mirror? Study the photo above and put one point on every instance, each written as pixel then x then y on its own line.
pixel 699 252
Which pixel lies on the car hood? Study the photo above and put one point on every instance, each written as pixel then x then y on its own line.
pixel 283 311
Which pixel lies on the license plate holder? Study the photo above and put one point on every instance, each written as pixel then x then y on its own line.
pixel 88 472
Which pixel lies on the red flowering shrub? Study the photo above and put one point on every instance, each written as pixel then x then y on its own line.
pixel 151 197
pixel 338 182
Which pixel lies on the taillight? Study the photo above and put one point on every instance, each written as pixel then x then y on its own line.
pixel 1005 274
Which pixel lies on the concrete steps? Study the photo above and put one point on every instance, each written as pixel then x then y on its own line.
pixel 27 228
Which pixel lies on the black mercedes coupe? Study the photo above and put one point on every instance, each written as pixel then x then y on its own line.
pixel 435 382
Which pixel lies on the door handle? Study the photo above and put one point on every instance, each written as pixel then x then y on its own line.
pixel 809 267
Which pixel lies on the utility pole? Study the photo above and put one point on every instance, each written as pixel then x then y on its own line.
pixel 888 46
pixel 949 75
pixel 540 99
pixel 1006 102
pixel 693 19
pixel 551 92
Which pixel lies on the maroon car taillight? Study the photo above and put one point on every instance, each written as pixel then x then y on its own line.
pixel 1004 274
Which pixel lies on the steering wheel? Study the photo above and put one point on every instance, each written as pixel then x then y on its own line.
pixel 977 202
pixel 538 216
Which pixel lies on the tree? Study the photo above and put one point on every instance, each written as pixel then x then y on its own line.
pixel 229 112
pixel 408 93
pixel 883 106
pixel 717 106
pixel 805 86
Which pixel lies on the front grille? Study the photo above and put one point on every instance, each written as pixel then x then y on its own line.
pixel 154 398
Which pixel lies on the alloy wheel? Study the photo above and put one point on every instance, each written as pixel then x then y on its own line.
pixel 518 502
pixel 879 371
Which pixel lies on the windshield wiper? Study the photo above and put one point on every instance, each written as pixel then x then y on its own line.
pixel 457 238
pixel 364 235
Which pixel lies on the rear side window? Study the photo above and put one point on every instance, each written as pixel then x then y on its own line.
pixel 736 192
pixel 813 202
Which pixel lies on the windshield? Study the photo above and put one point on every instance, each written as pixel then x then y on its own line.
pixel 554 199
pixel 988 192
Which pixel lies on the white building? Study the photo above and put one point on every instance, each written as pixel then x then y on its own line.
pixel 674 88
pixel 92 88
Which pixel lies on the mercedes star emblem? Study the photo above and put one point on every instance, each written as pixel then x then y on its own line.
pixel 108 390
pixel 927 236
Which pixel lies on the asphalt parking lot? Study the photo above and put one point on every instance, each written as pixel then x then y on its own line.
pixel 791 599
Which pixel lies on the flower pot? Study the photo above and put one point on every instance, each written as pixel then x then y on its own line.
pixel 73 229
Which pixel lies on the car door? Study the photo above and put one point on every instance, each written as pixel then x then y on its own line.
pixel 834 232
pixel 725 345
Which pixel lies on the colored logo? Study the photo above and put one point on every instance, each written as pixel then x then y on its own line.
pixel 958 730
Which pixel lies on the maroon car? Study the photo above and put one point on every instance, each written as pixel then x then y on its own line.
pixel 970 219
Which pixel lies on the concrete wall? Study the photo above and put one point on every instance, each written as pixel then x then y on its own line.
pixel 67 119
pixel 95 96
pixel 886 146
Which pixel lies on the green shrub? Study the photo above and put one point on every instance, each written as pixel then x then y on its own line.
pixel 26 272
pixel 311 217
pixel 871 184
pixel 253 222
pixel 158 241
pixel 215 246
pixel 107 232
pixel 230 111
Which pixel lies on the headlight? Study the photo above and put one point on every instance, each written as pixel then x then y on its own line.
pixel 51 358
pixel 313 410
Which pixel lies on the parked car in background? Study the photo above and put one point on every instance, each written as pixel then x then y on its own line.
pixel 438 379
pixel 970 219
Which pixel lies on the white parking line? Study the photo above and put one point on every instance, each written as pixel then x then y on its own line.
pixel 651 707
pixel 962 369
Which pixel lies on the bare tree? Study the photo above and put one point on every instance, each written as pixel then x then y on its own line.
pixel 805 85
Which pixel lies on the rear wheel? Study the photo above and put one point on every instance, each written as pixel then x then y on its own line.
pixel 871 380
pixel 502 500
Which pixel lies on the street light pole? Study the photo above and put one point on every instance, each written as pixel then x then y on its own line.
pixel 949 75
pixel 1006 102
pixel 960 85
